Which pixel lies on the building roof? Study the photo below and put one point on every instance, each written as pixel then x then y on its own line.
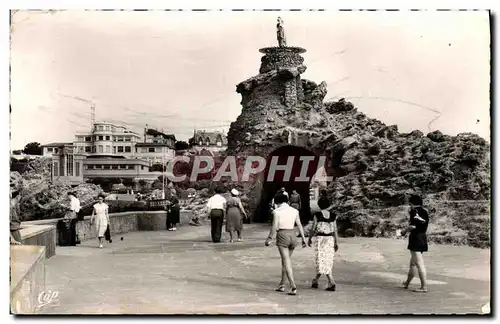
pixel 56 144
pixel 154 132
pixel 152 144
pixel 211 136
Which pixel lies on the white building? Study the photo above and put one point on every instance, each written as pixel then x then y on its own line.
pixel 113 151
pixel 107 139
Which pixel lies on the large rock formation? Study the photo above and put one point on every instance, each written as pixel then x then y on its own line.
pixel 375 167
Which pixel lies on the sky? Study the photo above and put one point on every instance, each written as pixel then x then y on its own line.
pixel 177 71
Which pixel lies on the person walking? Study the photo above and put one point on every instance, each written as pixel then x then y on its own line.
pixel 417 242
pixel 216 207
pixel 234 215
pixel 295 201
pixel 285 218
pixel 100 212
pixel 15 221
pixel 173 211
pixel 326 244
pixel 73 210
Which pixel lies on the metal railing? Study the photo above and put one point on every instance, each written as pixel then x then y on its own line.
pixel 157 204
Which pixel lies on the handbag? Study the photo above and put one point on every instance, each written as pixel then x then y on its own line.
pixel 107 235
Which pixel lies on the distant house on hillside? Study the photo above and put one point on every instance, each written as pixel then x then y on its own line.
pixel 211 141
pixel 155 136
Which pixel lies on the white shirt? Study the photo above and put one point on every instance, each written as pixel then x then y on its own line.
pixel 286 216
pixel 216 202
pixel 75 204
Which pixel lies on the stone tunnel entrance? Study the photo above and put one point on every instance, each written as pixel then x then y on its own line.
pixel 299 176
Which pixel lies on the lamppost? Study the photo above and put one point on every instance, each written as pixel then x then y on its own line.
pixel 163 175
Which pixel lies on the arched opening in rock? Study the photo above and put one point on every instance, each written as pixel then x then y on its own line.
pixel 301 173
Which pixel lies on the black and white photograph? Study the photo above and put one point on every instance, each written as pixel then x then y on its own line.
pixel 250 162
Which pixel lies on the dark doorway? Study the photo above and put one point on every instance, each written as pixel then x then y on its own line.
pixel 270 187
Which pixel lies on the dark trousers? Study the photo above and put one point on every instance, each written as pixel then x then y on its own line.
pixel 67 232
pixel 217 219
pixel 169 221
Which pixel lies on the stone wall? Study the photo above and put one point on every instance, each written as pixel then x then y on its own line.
pixel 27 278
pixel 119 223
pixel 41 235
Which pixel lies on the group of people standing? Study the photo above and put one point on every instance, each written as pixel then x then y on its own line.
pixel 325 234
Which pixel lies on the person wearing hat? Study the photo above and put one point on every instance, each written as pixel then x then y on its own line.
pixel 15 221
pixel 234 215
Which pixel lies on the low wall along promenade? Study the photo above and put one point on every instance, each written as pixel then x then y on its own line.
pixel 39 238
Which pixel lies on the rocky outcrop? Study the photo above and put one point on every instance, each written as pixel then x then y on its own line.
pixel 375 166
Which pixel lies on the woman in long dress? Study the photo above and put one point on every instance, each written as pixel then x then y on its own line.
pixel 325 230
pixel 100 212
pixel 417 242
pixel 234 215
pixel 173 211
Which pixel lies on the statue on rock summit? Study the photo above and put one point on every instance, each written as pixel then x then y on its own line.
pixel 281 33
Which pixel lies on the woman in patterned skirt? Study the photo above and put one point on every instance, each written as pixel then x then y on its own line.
pixel 325 230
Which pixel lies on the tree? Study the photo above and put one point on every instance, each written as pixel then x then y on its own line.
pixel 32 148
pixel 181 145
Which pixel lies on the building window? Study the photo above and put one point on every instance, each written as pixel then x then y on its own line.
pixel 77 169
pixel 56 169
pixel 69 165
pixel 55 150
pixel 114 167
pixel 101 137
pixel 127 139
pixel 136 150
pixel 107 138
pixel 100 127
pixel 108 127
pixel 100 147
pixel 119 139
pixel 120 149
pixel 151 150
pixel 88 138
pixel 128 149
pixel 142 167
pixel 114 149
pixel 107 167
pixel 50 149
pixel 88 149
pixel 61 167
pixel 108 149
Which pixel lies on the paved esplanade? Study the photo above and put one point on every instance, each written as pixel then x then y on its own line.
pixel 183 272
